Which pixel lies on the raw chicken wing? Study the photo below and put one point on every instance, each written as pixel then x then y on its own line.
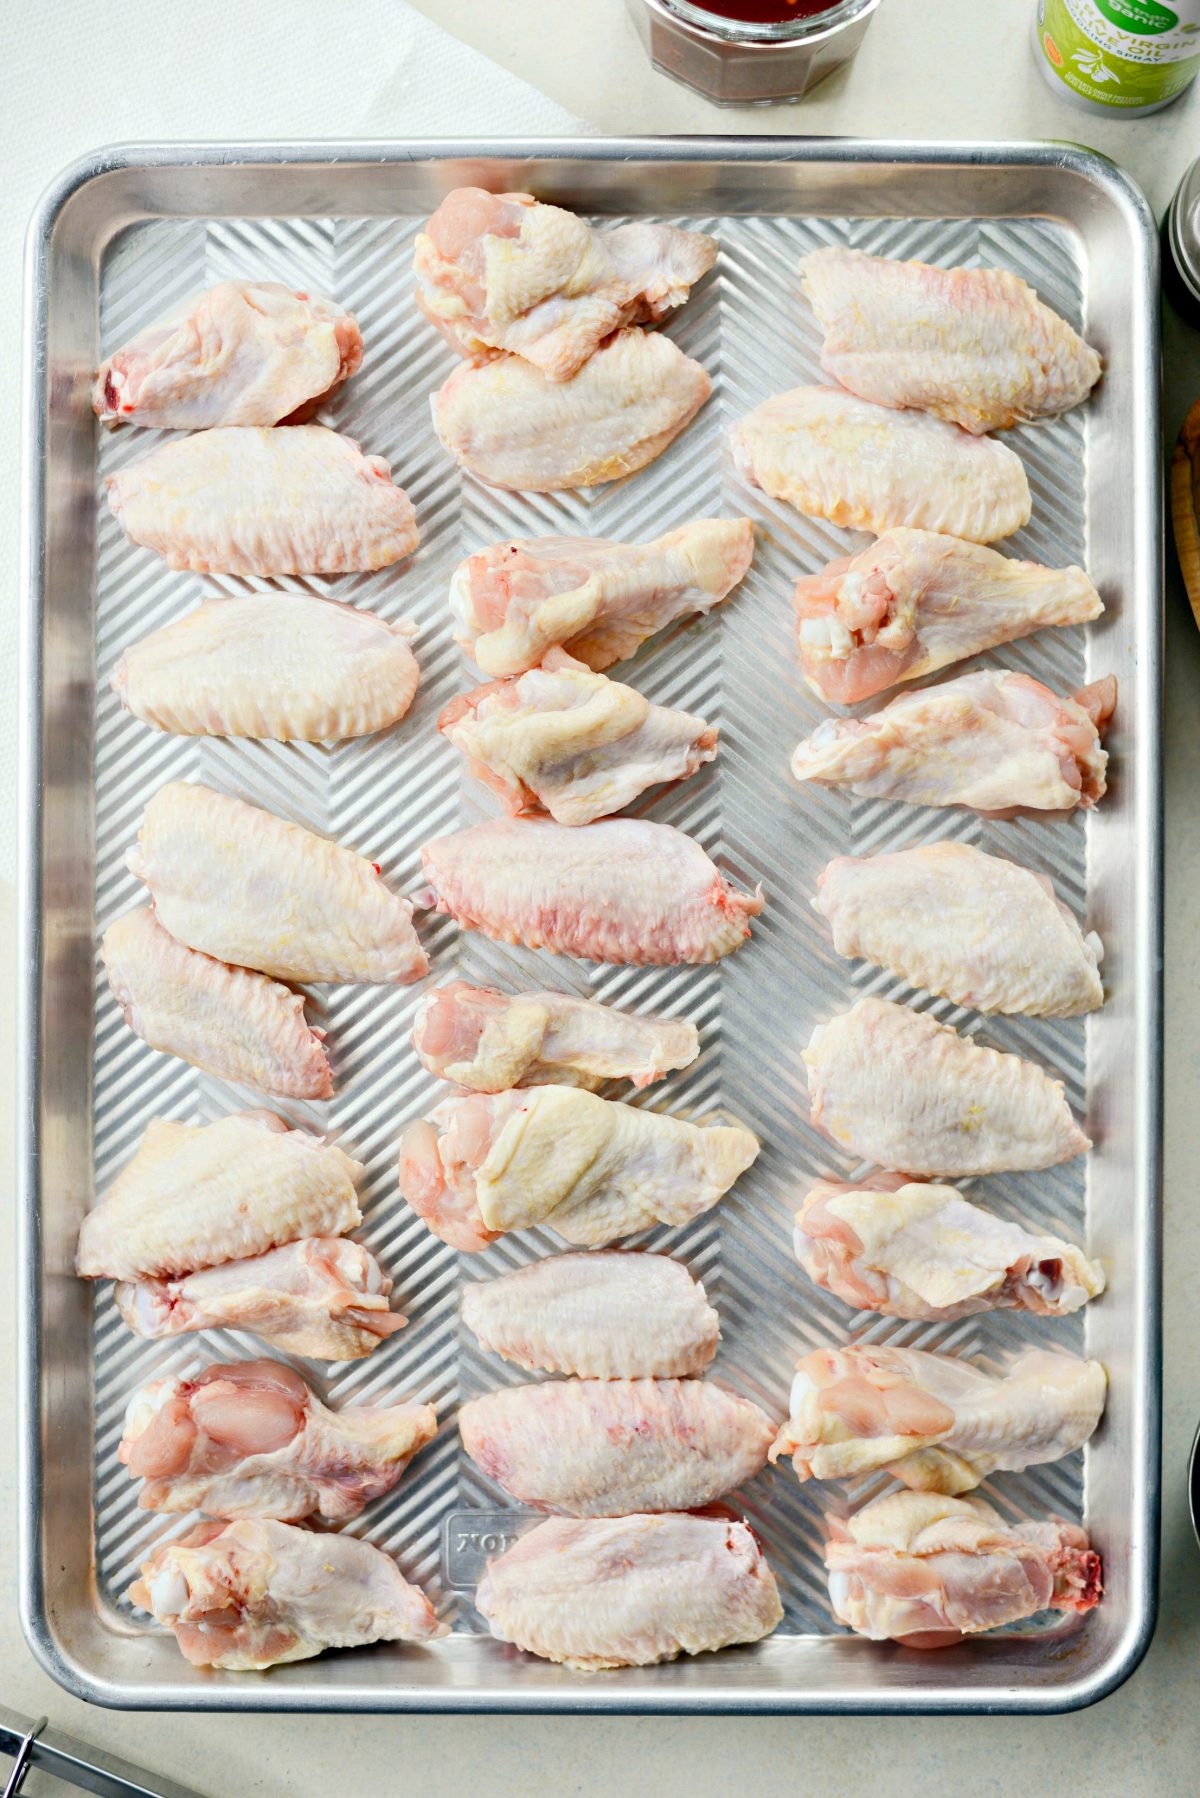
pixel 622 890
pixel 250 1439
pixel 925 1252
pixel 989 741
pixel 274 665
pixel 973 345
pixel 597 599
pixel 606 1448
pixel 834 456
pixel 250 1594
pixel 629 1591
pixel 240 884
pixel 504 272
pixel 916 601
pixel 972 927
pixel 592 1169
pixel 243 353
pixel 195 1195
pixel 936 1423
pixel 895 1087
pixel 325 1296
pixel 926 1570
pixel 488 1041
pixel 602 1315
pixel 563 740
pixel 227 1021
pixel 240 500
pixel 508 423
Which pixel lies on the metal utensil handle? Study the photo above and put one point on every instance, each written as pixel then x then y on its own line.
pixel 77 1764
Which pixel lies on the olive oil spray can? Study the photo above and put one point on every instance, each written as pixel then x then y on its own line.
pixel 1118 57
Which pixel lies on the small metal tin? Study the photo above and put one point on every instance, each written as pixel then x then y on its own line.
pixel 1181 235
pixel 737 64
pixel 1194 1485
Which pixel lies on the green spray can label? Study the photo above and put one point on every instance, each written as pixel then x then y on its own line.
pixel 1129 56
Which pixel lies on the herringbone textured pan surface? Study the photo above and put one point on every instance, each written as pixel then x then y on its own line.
pixel 387 795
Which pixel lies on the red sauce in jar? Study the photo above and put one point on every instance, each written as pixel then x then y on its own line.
pixel 766 12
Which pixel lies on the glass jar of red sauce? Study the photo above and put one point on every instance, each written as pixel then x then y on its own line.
pixel 751 52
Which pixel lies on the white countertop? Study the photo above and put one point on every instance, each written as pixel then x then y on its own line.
pixel 133 69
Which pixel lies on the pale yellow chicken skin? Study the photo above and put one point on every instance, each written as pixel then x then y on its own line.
pixel 240 884
pixel 935 1422
pixel 601 1315
pixel 630 1591
pixel 490 1041
pixel 972 345
pixel 196 1195
pixel 972 927
pixel 832 455
pixel 507 423
pixel 506 272
pixel 242 500
pixel 908 1249
pixel 280 666
pixel 241 353
pixel 897 1088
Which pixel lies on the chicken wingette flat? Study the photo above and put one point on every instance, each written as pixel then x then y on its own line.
pixel 973 345
pixel 926 1570
pixel 196 1195
pixel 322 1296
pixel 238 883
pixel 630 1591
pixel 620 890
pixel 606 1448
pixel 488 1041
pixel 935 1422
pixel 241 353
pixel 228 1021
pixel 562 740
pixel 592 1169
pixel 510 425
pixel 899 1089
pixel 971 927
pixel 916 601
pixel 251 1439
pixel 601 1315
pixel 505 272
pixel 251 1594
pixel 282 666
pixel 991 741
pixel 908 1249
pixel 832 455
pixel 240 500
pixel 597 599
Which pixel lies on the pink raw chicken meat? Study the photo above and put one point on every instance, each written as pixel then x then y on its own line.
pixel 916 601
pixel 228 1021
pixel 241 500
pixel 251 1439
pixel 621 890
pixel 592 1169
pixel 908 1249
pixel 489 1041
pixel 926 1570
pixel 242 353
pixel 322 1296
pixel 992 742
pixel 505 272
pixel 598 600
pixel 250 1594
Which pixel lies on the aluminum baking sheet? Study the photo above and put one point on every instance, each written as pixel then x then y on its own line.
pixel 129 233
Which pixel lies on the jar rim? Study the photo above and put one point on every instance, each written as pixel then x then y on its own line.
pixel 743 31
